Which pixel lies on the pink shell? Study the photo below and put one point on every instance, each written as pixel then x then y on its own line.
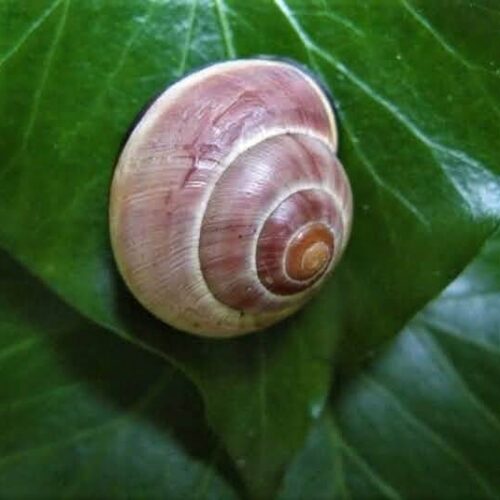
pixel 202 178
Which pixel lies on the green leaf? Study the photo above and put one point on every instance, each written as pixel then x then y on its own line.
pixel 68 112
pixel 418 117
pixel 424 420
pixel 85 415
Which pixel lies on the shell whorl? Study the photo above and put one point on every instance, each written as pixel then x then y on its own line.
pixel 228 203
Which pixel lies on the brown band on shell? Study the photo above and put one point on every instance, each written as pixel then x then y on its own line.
pixel 309 252
pixel 243 204
pixel 287 234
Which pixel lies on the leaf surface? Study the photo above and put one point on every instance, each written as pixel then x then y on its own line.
pixel 424 420
pixel 418 100
pixel 85 415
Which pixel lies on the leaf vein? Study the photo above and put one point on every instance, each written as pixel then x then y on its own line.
pixel 189 38
pixel 384 487
pixel 437 439
pixel 43 396
pixel 22 346
pixel 430 143
pixel 227 35
pixel 31 29
pixel 446 330
pixel 379 180
pixel 473 68
pixel 137 407
pixel 106 87
pixel 46 71
pixel 467 391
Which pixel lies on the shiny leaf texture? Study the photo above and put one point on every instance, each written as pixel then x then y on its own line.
pixel 85 415
pixel 424 420
pixel 415 84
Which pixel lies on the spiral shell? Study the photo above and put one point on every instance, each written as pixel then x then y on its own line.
pixel 229 206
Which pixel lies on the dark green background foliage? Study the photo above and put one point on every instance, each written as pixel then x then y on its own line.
pixel 97 399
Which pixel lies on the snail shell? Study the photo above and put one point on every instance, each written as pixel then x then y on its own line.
pixel 229 206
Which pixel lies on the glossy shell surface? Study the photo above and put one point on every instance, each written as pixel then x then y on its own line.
pixel 229 206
